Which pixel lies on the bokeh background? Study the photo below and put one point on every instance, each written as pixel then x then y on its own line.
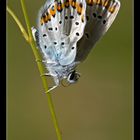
pixel 98 107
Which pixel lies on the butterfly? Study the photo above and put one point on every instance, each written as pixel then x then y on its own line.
pixel 66 32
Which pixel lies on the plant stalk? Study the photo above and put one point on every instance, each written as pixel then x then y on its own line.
pixel 18 23
pixel 36 53
pixel 41 70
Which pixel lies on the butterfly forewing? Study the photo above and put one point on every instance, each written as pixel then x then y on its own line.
pixel 100 14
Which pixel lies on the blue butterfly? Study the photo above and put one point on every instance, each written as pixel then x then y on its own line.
pixel 66 32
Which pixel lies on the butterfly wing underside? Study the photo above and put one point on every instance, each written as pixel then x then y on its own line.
pixel 61 24
pixel 100 14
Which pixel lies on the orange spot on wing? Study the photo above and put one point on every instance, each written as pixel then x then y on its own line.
pixel 63 5
pixel 79 8
pixel 67 3
pixel 82 18
pixel 106 3
pixel 60 7
pixel 48 17
pixel 99 2
pixel 53 11
pixel 90 2
pixel 45 18
pixel 112 9
pixel 41 21
pixel 73 4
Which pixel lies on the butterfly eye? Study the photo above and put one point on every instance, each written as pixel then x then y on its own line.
pixel 73 77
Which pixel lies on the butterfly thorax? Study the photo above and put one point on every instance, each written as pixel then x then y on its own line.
pixel 60 71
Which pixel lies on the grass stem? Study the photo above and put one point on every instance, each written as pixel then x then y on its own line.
pixel 41 68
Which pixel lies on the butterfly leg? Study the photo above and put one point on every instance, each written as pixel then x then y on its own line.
pixel 45 61
pixel 35 35
pixel 42 61
pixel 56 80
pixel 34 31
pixel 50 89
pixel 46 74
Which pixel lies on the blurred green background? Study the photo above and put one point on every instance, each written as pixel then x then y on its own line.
pixel 98 107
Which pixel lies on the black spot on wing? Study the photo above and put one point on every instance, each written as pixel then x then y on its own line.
pixel 104 21
pixel 77 34
pixel 60 22
pixel 62 43
pixel 77 23
pixel 55 43
pixel 44 35
pixel 50 29
pixel 99 17
pixel 66 17
pixel 87 17
pixel 94 15
pixel 71 17
pixel 87 35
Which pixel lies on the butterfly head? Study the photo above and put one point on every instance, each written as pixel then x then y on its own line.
pixel 73 77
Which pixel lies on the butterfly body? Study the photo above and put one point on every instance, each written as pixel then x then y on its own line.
pixel 68 30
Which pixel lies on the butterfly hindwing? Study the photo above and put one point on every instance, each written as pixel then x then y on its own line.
pixel 61 24
pixel 100 14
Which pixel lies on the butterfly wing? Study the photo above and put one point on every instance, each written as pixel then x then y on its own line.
pixel 100 14
pixel 61 24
